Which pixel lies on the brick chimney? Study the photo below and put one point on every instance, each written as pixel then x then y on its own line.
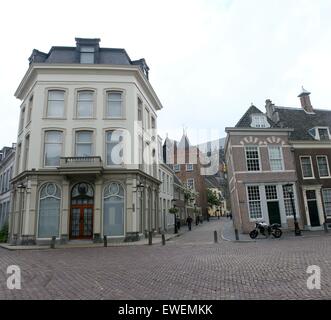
pixel 305 101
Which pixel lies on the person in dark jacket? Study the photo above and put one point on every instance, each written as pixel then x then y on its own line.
pixel 197 220
pixel 189 222
pixel 178 223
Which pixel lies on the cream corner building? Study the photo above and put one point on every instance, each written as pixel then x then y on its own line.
pixel 86 160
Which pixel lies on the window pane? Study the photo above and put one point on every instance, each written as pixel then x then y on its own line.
pixel 86 57
pixel 306 167
pixel 55 107
pixel 52 154
pixel 85 109
pixel 113 222
pixel 114 146
pixel 49 214
pixel 323 166
pixel 114 109
pixel 327 201
pixel 84 150
pixel 84 136
pixel 54 136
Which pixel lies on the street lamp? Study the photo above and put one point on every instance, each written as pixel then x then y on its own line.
pixel 140 188
pixel 289 190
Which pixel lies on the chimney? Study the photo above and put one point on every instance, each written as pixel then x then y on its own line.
pixel 305 101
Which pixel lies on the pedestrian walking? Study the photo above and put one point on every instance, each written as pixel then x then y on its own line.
pixel 189 222
pixel 178 223
pixel 197 220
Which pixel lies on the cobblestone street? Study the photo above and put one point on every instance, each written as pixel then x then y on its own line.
pixel 188 267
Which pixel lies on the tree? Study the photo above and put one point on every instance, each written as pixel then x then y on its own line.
pixel 213 198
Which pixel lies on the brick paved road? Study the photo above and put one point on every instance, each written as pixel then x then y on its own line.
pixel 189 267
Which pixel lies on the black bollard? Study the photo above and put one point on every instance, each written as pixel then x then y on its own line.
pixel 53 242
pixel 105 242
pixel 237 234
pixel 215 237
pixel 150 238
pixel 163 240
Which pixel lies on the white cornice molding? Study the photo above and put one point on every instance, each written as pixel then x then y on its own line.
pixel 54 68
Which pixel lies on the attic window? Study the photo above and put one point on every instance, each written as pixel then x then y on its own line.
pixel 87 55
pixel 321 134
pixel 259 121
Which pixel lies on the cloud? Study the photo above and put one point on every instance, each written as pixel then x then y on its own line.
pixel 209 59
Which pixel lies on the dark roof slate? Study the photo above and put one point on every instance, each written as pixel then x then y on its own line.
pixel 302 122
pixel 246 119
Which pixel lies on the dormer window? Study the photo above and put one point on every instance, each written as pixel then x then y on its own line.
pixel 87 54
pixel 324 134
pixel 320 133
pixel 259 121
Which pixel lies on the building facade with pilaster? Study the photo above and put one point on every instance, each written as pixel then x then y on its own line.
pixel 86 159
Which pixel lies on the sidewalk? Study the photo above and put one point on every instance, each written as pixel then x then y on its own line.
pixel 157 239
pixel 228 234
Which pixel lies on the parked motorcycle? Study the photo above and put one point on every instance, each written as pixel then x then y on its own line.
pixel 266 230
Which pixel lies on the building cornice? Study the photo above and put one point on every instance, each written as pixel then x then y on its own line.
pixel 259 130
pixel 310 144
pixel 83 68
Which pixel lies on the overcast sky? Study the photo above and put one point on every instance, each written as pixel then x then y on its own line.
pixel 209 59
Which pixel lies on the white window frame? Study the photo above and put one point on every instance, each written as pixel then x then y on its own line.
pixel 311 165
pixel 189 167
pixel 64 104
pixel 44 146
pixel 327 164
pixel 107 113
pixel 318 133
pixel 259 158
pixel 78 100
pixel 259 121
pixel 81 143
pixel 281 157
pixel 177 167
pixel 248 202
pixel 326 189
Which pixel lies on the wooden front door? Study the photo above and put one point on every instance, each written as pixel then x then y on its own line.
pixel 274 213
pixel 81 217
pixel 81 222
pixel 312 208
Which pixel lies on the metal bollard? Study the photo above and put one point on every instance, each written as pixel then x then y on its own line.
pixel 215 237
pixel 150 238
pixel 237 234
pixel 163 239
pixel 53 242
pixel 105 242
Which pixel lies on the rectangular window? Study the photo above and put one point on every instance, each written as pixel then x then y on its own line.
pixel 177 167
pixel 53 148
pixel 140 110
pixel 85 104
pixel 327 201
pixel 87 55
pixel 163 182
pixel 288 202
pixel 252 158
pixel 323 166
pixel 153 123
pixel 146 122
pixel 30 109
pixel 271 192
pixel 189 167
pixel 190 184
pixel 306 166
pixel 114 147
pixel 276 158
pixel 114 105
pixel 55 104
pixel 18 158
pixel 84 144
pixel 21 125
pixel 26 153
pixel 254 202
pixel 168 188
pixel 324 134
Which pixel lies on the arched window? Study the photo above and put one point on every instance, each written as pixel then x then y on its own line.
pixel 113 210
pixel 49 211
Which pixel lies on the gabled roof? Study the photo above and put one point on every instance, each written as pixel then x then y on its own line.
pixel 302 121
pixel 246 119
